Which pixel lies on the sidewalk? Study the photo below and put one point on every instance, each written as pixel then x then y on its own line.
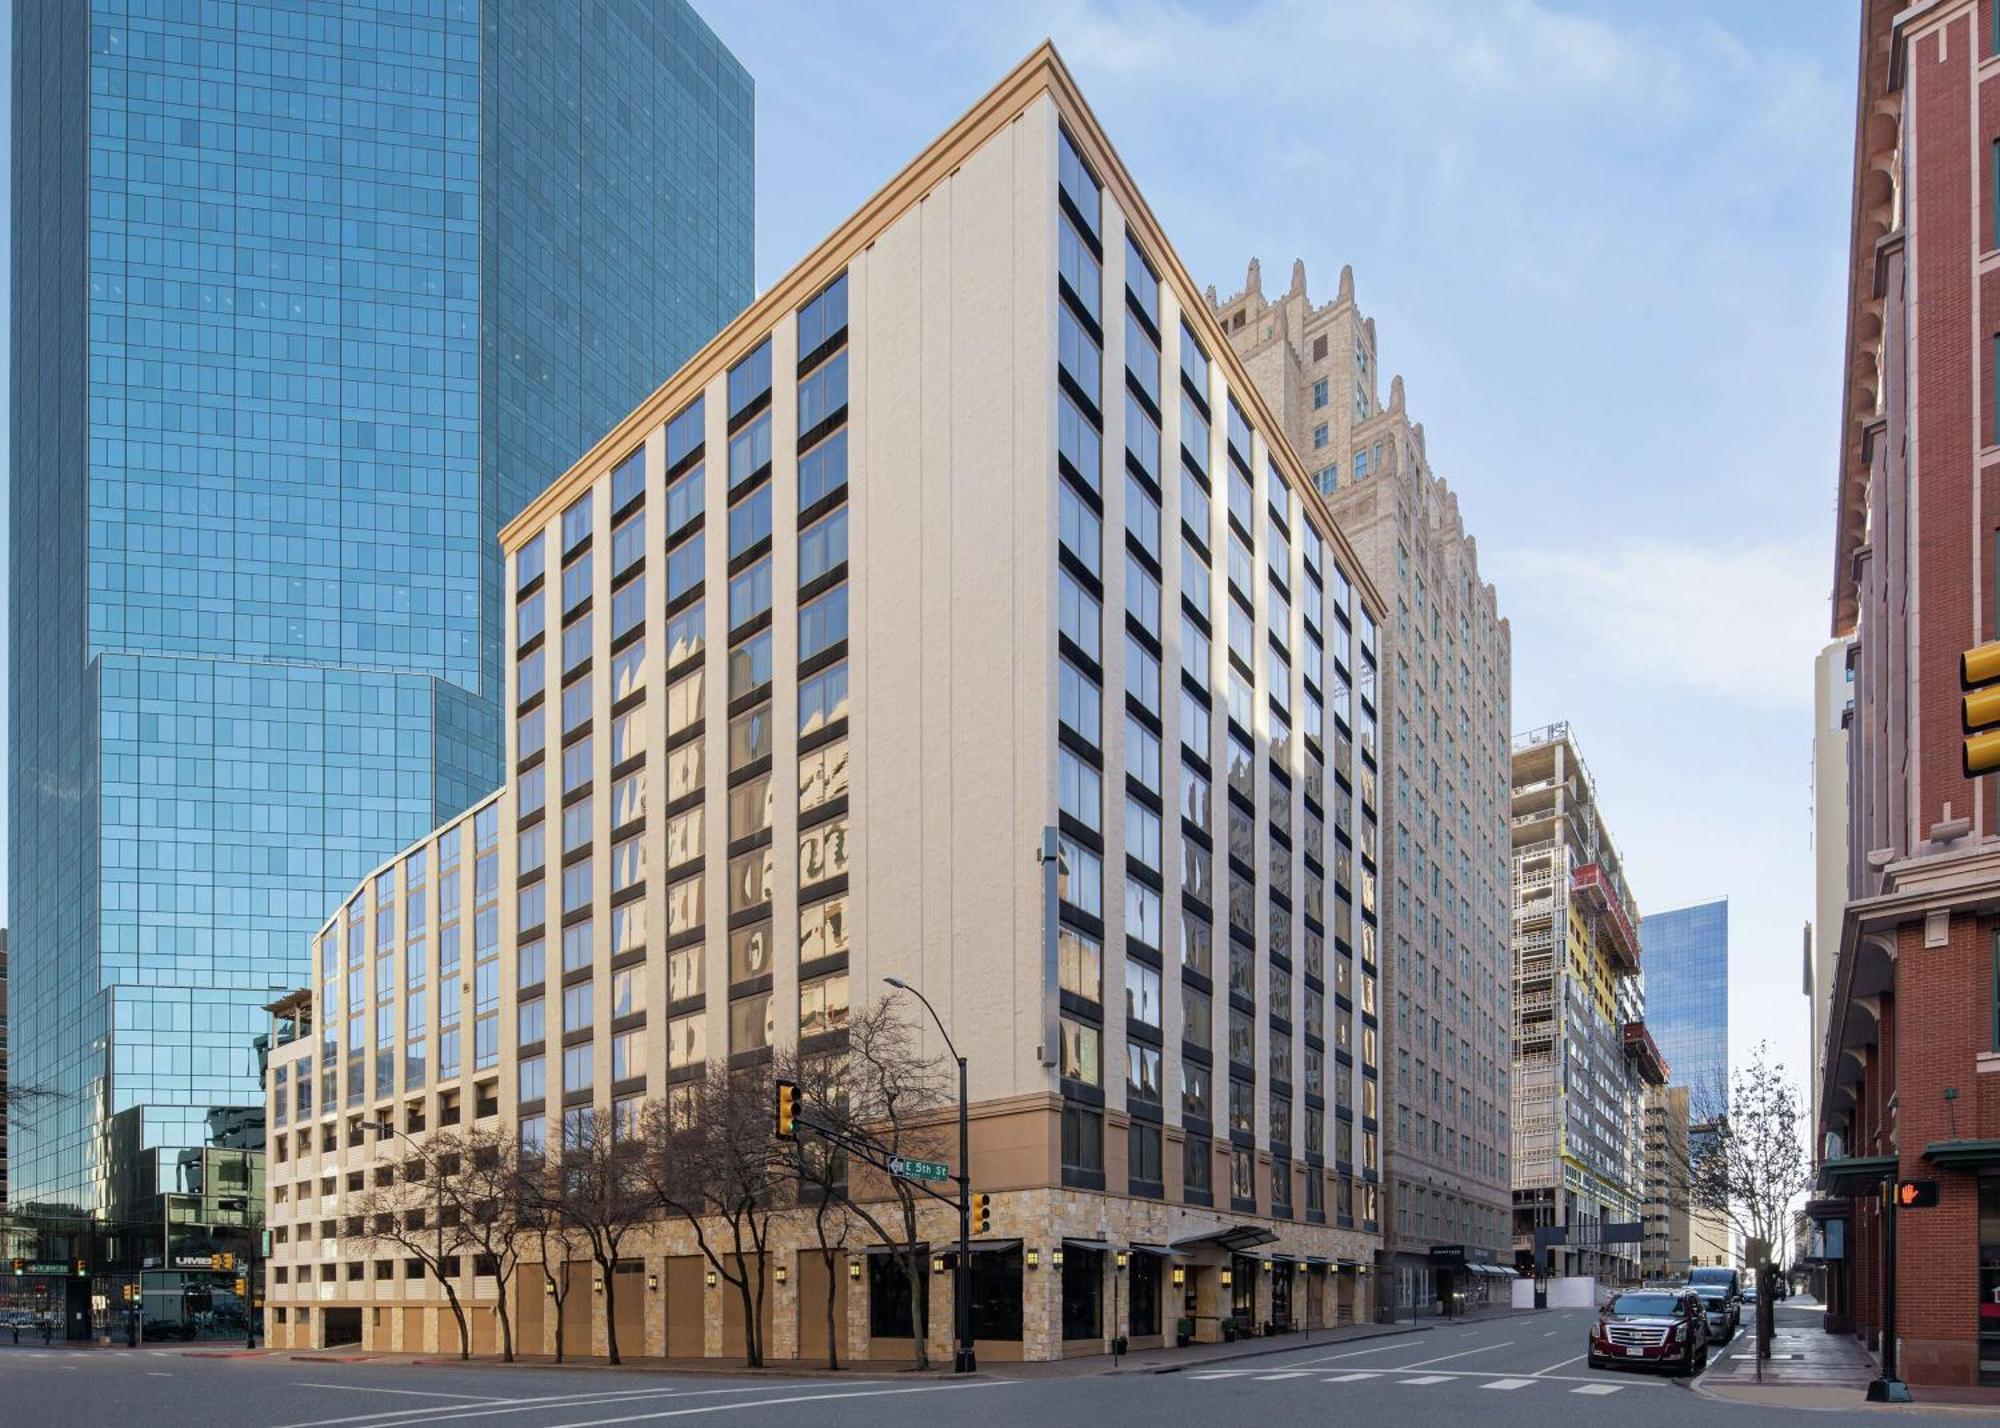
pixel 1156 1361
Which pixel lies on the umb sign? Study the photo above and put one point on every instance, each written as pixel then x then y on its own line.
pixel 919 1169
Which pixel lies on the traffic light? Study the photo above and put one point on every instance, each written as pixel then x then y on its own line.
pixel 1916 1194
pixel 20 1266
pixel 242 1287
pixel 228 1261
pixel 1979 678
pixel 215 1264
pixel 788 1110
pixel 982 1213
pixel 82 1268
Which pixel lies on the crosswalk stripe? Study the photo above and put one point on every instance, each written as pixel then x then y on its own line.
pixel 1424 1379
pixel 1598 1388
pixel 1226 1373
pixel 1268 1377
pixel 1349 1377
pixel 1508 1383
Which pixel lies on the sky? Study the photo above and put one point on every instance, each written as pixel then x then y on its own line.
pixel 1605 248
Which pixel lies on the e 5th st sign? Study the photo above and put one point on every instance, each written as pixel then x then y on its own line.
pixel 919 1169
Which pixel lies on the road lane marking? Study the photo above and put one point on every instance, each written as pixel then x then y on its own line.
pixel 1508 1383
pixel 1598 1388
pixel 1349 1377
pixel 794 1398
pixel 158 1373
pixel 1427 1378
pixel 444 1412
pixel 1461 1354
pixel 1225 1373
pixel 1357 1353
pixel 408 1392
pixel 1574 1358
pixel 1295 1373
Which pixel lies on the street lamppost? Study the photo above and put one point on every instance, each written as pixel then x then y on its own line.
pixel 964 1361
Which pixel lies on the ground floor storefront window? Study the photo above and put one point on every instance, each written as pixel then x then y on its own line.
pixel 1146 1279
pixel 892 1313
pixel 1082 1293
pixel 1989 1279
pixel 996 1294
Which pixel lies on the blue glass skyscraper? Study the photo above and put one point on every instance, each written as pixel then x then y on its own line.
pixel 1687 995
pixel 309 298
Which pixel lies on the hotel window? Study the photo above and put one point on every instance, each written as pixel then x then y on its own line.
pixel 685 499
pixel 628 480
pixel 1142 755
pixel 1195 733
pixel 1142 1075
pixel 1077 266
pixel 750 665
pixel 1195 1096
pixel 530 619
pixel 749 522
pixel 1080 964
pixel 576 582
pixel 750 880
pixel 749 815
pixel 1319 432
pixel 1320 399
pixel 1242 1106
pixel 576 824
pixel 749 953
pixel 577 1007
pixel 750 1026
pixel 1078 442
pixel 822 852
pixel 1081 879
pixel 579 1067
pixel 1142 995
pixel 628 737
pixel 628 1056
pixel 750 594
pixel 687 1041
pixel 1078 185
pixel 1140 282
pixel 1194 450
pixel 628 670
pixel 1142 673
pixel 628 863
pixel 1142 914
pixel 1080 1052
pixel 823 623
pixel 749 738
pixel 684 769
pixel 530 562
pixel 685 906
pixel 684 973
pixel 1197 1019
pixel 1195 578
pixel 576 524
pixel 822 776
pixel 823 930
pixel 1142 360
pixel 823 469
pixel 1080 529
pixel 1079 704
pixel 1142 599
pixel 1080 617
pixel 1194 365
pixel 1142 519
pixel 823 547
pixel 533 1022
pixel 1197 654
pixel 1197 871
pixel 576 886
pixel 684 702
pixel 576 642
pixel 1142 834
pixel 1077 351
pixel 822 699
pixel 823 395
pixel 1197 945
pixel 823 1004
pixel 576 703
pixel 534 1078
pixel 530 676
pixel 824 319
pixel 1080 791
pixel 750 380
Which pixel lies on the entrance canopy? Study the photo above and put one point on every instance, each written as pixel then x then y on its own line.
pixel 1231 1239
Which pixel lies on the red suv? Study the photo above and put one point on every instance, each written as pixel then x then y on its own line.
pixel 1654 1328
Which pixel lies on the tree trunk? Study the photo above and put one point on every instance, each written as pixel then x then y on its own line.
pixel 753 1355
pixel 458 1313
pixel 832 1301
pixel 920 1319
pixel 506 1326
pixel 610 1310
pixel 560 1299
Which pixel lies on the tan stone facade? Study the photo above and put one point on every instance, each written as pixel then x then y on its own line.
pixel 1446 702
pixel 970 532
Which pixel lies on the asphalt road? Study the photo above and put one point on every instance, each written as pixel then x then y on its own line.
pixel 1524 1370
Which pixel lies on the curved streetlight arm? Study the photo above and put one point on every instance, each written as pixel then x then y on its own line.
pixel 902 986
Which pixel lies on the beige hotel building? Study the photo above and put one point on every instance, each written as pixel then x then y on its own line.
pixel 972 527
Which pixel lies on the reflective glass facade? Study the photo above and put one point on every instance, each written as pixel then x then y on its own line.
pixel 1687 995
pixel 322 293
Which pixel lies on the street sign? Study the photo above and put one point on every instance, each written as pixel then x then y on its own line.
pixel 918 1169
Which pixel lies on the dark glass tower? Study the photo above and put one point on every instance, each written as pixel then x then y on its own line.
pixel 1687 996
pixel 309 298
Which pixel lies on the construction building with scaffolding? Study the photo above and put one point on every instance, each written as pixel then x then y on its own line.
pixel 1582 1057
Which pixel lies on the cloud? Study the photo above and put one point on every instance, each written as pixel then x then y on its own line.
pixel 1740 622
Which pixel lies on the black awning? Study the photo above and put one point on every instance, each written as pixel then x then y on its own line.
pixel 1854 1174
pixel 1237 1239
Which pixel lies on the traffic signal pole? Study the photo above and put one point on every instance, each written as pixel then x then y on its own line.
pixel 966 1361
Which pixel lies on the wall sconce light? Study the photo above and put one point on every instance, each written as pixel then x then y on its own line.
pixel 1267 1266
pixel 937 1264
pixel 854 1269
pixel 1180 1276
pixel 1055 1256
pixel 1121 1259
pixel 549 1288
pixel 1034 1258
pixel 1226 1278
pixel 597 1286
pixel 781 1274
pixel 653 1283
pixel 709 1279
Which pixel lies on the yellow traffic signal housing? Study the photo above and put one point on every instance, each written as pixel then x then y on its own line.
pixel 788 1110
pixel 982 1214
pixel 241 1287
pixel 20 1266
pixel 82 1268
pixel 1979 711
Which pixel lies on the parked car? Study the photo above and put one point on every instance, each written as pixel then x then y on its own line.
pixel 1651 1328
pixel 1722 1280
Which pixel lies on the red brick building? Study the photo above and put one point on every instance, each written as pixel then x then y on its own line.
pixel 1911 1081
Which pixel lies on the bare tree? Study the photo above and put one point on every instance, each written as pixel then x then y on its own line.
pixel 715 1163
pixel 1749 1156
pixel 886 1100
pixel 484 1200
pixel 545 1223
pixel 604 1200
pixel 818 1169
pixel 413 1212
